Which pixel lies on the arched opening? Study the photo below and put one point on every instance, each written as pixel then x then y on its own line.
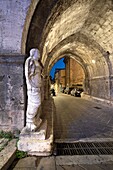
pixel 68 27
pixel 67 73
pixel 64 36
pixel 75 31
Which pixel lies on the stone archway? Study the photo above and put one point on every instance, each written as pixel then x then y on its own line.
pixel 73 31
pixel 73 27
pixel 57 27
pixel 86 54
pixel 80 65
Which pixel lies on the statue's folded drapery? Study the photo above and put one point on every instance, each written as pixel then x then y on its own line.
pixel 33 81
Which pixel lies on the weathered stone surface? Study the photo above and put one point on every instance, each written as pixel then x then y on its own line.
pixel 11 92
pixel 67 163
pixel 40 144
pixel 36 147
pixel 36 143
pixel 47 163
pixel 82 29
pixel 86 159
pixel 7 155
pixel 88 167
pixel 40 134
pixel 26 163
pixel 3 142
pixel 12 24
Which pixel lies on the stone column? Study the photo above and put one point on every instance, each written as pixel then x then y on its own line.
pixel 11 92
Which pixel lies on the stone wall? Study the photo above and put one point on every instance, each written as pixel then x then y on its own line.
pixel 62 78
pixel 12 19
pixel 76 73
pixel 100 87
pixel 99 24
pixel 11 92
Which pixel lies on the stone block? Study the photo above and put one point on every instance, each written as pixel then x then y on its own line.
pixel 40 134
pixel 35 143
pixel 101 21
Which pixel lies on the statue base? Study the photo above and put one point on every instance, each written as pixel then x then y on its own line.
pixel 35 143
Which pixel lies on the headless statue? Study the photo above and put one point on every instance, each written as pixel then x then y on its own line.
pixel 33 80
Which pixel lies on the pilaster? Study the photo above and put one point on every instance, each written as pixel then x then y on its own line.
pixel 11 92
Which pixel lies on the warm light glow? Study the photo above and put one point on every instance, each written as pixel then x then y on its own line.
pixel 46 44
pixel 93 61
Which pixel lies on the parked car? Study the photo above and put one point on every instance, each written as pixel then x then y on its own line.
pixel 73 91
pixel 78 92
pixel 63 89
pixel 68 90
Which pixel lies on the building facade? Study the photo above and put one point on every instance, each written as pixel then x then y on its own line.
pixel 74 72
pixel 60 79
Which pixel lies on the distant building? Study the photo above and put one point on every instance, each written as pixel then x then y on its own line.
pixel 71 76
pixel 74 73
pixel 59 79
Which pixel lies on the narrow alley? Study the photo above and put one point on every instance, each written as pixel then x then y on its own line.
pixel 80 119
pixel 76 119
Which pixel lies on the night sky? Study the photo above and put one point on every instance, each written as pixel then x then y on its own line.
pixel 58 64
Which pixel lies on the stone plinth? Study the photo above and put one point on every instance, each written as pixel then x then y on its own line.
pixel 35 143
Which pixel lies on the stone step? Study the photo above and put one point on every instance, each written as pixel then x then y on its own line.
pixel 35 143
pixel 8 154
pixel 3 143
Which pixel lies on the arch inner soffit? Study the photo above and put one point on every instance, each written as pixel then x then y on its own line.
pixel 74 57
pixel 87 52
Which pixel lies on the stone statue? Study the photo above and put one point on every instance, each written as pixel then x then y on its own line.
pixel 33 69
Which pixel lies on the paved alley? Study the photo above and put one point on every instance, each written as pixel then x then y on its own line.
pixel 75 119
pixel 80 119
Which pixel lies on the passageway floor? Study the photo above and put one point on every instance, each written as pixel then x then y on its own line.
pixel 76 119
pixel 80 119
pixel 65 163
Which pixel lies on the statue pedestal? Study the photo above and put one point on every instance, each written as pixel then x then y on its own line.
pixel 35 143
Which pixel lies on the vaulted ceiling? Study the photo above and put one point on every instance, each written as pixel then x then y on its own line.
pixel 82 29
